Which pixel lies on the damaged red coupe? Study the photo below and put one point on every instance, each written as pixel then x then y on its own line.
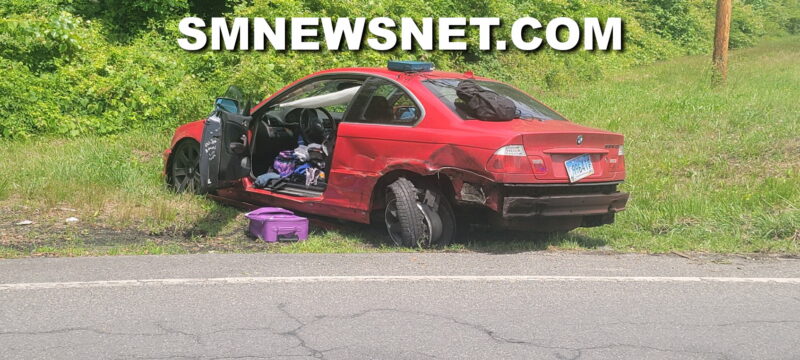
pixel 425 152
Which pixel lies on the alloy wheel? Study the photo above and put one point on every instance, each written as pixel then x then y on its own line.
pixel 186 168
pixel 393 225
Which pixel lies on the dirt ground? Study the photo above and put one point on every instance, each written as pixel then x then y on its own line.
pixel 50 234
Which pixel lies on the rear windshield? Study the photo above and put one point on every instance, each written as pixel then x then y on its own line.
pixel 527 107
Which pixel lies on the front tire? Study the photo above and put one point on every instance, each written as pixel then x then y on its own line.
pixel 185 168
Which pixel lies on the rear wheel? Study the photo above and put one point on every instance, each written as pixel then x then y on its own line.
pixel 403 218
pixel 185 167
pixel 418 217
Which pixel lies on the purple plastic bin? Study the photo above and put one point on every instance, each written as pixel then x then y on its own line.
pixel 273 224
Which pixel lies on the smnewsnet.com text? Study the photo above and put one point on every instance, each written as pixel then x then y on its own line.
pixel 383 33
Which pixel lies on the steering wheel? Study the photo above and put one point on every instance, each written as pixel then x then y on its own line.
pixel 313 128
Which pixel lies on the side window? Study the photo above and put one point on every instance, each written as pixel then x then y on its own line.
pixel 382 102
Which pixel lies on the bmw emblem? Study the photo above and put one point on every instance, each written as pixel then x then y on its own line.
pixel 579 140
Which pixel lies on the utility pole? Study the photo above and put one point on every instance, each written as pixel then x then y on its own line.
pixel 722 34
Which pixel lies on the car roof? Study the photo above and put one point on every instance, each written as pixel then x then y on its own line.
pixel 422 75
pixel 385 72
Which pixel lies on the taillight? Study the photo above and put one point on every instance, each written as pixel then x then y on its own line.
pixel 509 159
pixel 539 167
pixel 614 162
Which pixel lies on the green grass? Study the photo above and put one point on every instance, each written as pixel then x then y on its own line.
pixel 709 169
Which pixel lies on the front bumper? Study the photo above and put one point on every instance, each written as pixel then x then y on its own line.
pixel 165 158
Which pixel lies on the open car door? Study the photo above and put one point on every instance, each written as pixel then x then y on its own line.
pixel 223 150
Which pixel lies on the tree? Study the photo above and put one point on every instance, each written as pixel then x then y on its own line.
pixel 722 34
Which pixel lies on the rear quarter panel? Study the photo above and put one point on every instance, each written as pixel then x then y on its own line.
pixel 366 152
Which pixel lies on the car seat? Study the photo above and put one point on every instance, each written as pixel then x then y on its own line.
pixel 267 143
pixel 378 110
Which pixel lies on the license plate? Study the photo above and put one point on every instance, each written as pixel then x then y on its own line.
pixel 579 167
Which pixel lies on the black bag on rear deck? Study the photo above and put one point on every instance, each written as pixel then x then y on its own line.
pixel 484 104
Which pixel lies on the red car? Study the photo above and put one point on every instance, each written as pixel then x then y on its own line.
pixel 403 147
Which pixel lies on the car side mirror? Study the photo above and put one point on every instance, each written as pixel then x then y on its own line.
pixel 226 104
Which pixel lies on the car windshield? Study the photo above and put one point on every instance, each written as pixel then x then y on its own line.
pixel 527 107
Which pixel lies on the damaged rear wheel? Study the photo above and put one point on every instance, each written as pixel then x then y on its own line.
pixel 418 217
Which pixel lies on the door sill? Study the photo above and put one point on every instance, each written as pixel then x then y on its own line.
pixel 298 192
pixel 288 190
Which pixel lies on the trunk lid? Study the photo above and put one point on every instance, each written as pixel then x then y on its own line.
pixel 555 142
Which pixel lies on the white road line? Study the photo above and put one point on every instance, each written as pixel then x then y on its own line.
pixel 389 278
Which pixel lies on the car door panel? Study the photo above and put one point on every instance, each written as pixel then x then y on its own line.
pixel 221 165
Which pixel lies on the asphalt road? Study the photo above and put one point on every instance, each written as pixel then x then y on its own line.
pixel 400 306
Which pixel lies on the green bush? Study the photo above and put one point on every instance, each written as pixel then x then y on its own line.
pixel 76 67
pixel 746 26
pixel 41 41
pixel 126 18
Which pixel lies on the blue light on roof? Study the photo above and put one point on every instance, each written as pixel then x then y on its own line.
pixel 410 66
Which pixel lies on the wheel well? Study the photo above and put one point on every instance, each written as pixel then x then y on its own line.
pixel 440 181
pixel 168 165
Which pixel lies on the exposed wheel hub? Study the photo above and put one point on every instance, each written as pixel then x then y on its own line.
pixel 433 225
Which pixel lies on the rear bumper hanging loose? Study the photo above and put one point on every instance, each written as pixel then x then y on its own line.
pixel 563 205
